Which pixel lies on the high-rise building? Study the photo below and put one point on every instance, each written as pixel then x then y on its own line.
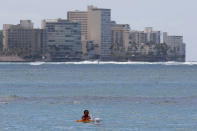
pixel 26 24
pixel 21 39
pixel 137 37
pixel 99 31
pixel 146 36
pixel 176 46
pixel 96 29
pixel 62 39
pixel 152 36
pixel 82 18
pixel 120 37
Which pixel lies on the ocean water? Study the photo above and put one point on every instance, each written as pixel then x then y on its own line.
pixel 128 96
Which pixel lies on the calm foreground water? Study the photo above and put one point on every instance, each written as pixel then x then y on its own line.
pixel 126 96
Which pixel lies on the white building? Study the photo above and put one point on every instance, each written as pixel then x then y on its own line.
pixel 176 46
pixel 137 37
pixel 146 36
pixel 152 36
pixel 26 24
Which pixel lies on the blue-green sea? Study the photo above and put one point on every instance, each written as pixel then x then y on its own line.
pixel 127 96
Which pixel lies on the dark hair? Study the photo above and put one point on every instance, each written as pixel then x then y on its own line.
pixel 86 111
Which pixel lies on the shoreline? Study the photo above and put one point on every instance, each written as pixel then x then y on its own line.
pixel 142 59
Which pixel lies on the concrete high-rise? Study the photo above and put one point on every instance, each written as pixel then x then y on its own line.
pixel 120 37
pixel 146 36
pixel 26 24
pixel 99 31
pixel 176 51
pixel 137 37
pixel 152 36
pixel 21 39
pixel 62 39
pixel 82 18
pixel 96 29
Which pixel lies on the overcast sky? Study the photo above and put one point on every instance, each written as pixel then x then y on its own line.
pixel 177 17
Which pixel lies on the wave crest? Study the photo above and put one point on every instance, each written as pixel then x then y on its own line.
pixel 37 63
pixel 170 63
pixel 124 63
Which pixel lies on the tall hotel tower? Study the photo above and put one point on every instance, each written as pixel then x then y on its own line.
pixel 96 27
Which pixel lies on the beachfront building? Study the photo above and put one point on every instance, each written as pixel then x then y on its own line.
pixel 146 46
pixel 120 37
pixel 137 37
pixel 176 51
pixel 96 31
pixel 82 18
pixel 146 36
pixel 61 40
pixel 22 39
pixel 152 36
pixel 99 31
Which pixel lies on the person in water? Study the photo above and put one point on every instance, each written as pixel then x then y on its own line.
pixel 86 116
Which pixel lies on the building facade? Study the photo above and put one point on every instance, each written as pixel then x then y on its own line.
pixel 152 36
pixel 99 31
pixel 137 37
pixel 21 39
pixel 120 37
pixel 96 30
pixel 176 51
pixel 82 18
pixel 61 40
pixel 146 36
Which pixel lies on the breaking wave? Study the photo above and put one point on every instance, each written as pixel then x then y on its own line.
pixel 123 63
pixel 37 63
pixel 171 63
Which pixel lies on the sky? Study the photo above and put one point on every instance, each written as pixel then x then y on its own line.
pixel 177 17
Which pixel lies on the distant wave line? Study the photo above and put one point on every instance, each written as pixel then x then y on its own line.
pixel 101 63
pixel 12 98
pixel 115 63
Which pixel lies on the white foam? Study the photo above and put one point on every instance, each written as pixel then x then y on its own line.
pixel 124 63
pixel 179 63
pixel 76 102
pixel 37 63
pixel 190 63
pixel 96 62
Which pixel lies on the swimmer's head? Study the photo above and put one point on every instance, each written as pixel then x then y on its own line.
pixel 86 112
